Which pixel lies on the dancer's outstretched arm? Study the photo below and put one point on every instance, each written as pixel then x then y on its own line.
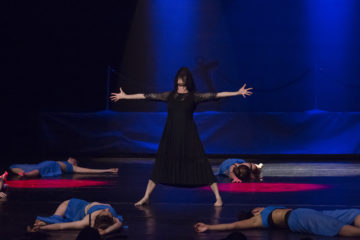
pixel 89 170
pixel 122 95
pixel 242 91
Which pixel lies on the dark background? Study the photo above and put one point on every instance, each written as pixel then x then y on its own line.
pixel 298 55
pixel 56 56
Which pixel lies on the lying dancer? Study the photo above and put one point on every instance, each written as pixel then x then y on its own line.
pixel 55 168
pixel 327 223
pixel 78 214
pixel 3 194
pixel 238 170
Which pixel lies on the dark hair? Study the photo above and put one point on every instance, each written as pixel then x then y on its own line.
pixel 103 221
pixel 256 172
pixel 185 74
pixel 242 172
pixel 242 215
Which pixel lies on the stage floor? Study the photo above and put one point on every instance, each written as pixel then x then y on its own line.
pixel 173 211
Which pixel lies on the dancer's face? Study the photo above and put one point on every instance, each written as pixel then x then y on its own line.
pixel 72 161
pixel 181 86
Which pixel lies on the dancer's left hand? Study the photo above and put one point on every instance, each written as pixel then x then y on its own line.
pixel 245 91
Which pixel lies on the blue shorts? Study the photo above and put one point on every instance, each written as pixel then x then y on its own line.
pixel 75 211
pixel 325 223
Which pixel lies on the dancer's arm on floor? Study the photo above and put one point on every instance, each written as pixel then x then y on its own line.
pixel 253 222
pixel 78 169
pixel 232 175
pixel 122 95
pixel 111 228
pixel 242 91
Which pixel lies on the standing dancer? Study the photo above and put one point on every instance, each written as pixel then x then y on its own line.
pixel 181 159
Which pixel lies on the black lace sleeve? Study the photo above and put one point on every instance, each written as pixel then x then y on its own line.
pixel 202 97
pixel 157 96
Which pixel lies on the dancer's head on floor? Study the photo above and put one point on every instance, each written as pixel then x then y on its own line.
pixel 184 81
pixel 72 161
pixel 104 219
pixel 242 172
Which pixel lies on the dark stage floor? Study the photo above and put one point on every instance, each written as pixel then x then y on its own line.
pixel 173 211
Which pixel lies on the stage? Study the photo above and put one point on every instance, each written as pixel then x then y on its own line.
pixel 172 211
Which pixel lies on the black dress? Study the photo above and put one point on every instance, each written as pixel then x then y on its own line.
pixel 180 159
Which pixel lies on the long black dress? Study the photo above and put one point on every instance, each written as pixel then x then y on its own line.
pixel 180 159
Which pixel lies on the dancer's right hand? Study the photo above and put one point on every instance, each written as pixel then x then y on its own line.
pixel 117 96
pixel 114 170
pixel 200 227
pixel 236 180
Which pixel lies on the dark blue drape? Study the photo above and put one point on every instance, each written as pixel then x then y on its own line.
pixel 115 133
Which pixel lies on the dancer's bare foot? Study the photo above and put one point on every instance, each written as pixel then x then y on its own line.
pixel 218 203
pixel 32 229
pixel 3 196
pixel 4 176
pixel 142 201
pixel 39 223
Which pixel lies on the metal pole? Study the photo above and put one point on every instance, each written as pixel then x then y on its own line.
pixel 107 101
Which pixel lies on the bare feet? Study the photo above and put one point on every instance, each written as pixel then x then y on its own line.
pixel 3 196
pixel 142 201
pixel 39 223
pixel 4 176
pixel 32 229
pixel 218 203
